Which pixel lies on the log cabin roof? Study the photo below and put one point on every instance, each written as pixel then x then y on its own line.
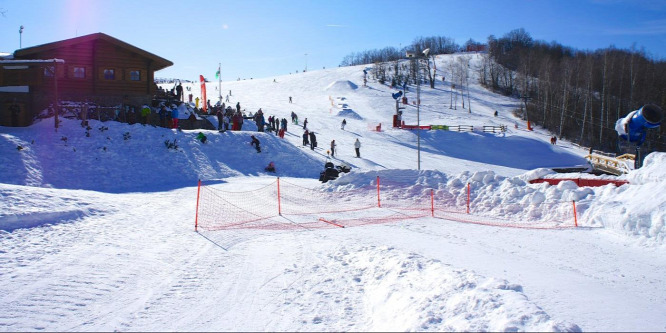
pixel 159 62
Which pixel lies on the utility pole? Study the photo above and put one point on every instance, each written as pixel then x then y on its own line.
pixel 21 37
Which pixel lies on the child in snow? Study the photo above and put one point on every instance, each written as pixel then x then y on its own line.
pixel 255 143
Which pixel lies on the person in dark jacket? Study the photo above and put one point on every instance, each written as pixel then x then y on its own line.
pixel 255 143
pixel 313 140
pixel 220 120
pixel 179 92
pixel 305 138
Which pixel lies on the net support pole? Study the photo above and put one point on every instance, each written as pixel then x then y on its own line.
pixel 432 202
pixel 196 215
pixel 379 203
pixel 575 215
pixel 278 197
pixel 468 194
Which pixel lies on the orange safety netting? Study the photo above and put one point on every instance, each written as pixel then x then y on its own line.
pixel 281 205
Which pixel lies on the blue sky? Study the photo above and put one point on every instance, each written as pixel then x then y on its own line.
pixel 261 38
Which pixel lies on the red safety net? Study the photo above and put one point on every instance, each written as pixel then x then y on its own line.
pixel 281 205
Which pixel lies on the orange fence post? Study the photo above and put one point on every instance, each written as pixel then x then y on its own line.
pixel 575 217
pixel 278 194
pixel 196 215
pixel 379 203
pixel 432 202
pixel 468 192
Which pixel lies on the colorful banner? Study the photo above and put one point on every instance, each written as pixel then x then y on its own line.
pixel 204 100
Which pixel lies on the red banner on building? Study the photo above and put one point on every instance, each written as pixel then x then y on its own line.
pixel 203 94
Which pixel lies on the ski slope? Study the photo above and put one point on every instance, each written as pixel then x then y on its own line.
pixel 97 232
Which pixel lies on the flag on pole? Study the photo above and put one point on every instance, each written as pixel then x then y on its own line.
pixel 217 74
pixel 203 93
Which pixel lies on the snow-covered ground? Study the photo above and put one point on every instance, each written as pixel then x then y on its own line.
pixel 97 231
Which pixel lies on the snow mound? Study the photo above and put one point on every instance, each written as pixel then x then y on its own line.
pixel 341 85
pixel 349 113
pixel 625 208
pixel 408 292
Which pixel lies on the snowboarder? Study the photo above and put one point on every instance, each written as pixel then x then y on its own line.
pixel 333 148
pixel 255 143
pixel 202 137
pixel 270 167
pixel 357 147
pixel 344 122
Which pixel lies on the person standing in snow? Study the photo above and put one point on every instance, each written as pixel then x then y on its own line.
pixel 333 145
pixel 174 116
pixel 145 113
pixel 220 120
pixel 305 123
pixel 342 126
pixel 357 147
pixel 284 124
pixel 313 140
pixel 259 120
pixel 238 107
pixel 305 138
pixel 179 92
pixel 236 121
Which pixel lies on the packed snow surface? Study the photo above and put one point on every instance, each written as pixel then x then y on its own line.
pixel 97 225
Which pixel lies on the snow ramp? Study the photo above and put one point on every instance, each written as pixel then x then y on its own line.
pixel 341 85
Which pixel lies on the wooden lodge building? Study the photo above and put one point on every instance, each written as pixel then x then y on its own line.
pixel 95 68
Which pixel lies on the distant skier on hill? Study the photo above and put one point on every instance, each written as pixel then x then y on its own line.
pixel 344 123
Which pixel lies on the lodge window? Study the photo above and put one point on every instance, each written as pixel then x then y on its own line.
pixel 135 75
pixel 49 71
pixel 79 72
pixel 109 74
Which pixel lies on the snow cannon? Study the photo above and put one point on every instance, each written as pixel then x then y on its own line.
pixel 633 127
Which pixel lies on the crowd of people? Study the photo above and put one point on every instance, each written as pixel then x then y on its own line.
pixel 232 118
